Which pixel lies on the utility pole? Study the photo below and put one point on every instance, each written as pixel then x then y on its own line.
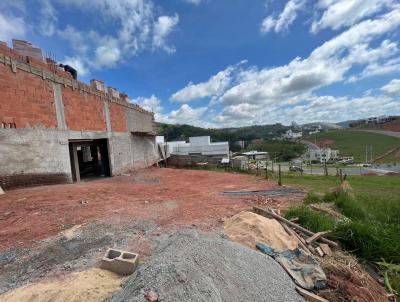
pixel 371 153
pixel 279 175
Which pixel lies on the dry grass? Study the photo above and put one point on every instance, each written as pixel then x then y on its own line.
pixel 348 281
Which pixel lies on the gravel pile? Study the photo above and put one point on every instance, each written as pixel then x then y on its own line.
pixel 195 266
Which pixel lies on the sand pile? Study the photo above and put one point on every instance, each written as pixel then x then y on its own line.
pixel 90 286
pixel 197 266
pixel 248 228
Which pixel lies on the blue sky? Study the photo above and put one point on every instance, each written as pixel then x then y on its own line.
pixel 220 63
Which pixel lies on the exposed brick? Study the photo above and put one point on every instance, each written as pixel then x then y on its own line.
pixel 118 122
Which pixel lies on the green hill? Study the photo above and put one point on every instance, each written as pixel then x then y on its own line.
pixel 353 143
pixel 247 134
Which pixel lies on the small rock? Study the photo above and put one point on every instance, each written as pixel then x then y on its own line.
pixel 146 201
pixel 151 296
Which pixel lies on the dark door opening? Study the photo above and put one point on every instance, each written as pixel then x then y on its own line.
pixel 89 159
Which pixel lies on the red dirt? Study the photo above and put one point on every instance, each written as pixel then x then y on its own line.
pixel 169 197
pixel 325 143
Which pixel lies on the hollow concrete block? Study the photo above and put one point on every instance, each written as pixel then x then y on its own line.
pixel 120 262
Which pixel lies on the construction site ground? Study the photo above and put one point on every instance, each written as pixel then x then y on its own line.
pixel 50 231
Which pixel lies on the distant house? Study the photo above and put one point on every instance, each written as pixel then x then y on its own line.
pixel 320 155
pixel 200 145
pixel 255 155
pixel 292 135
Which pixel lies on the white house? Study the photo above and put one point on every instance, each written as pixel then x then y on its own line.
pixel 292 135
pixel 200 145
pixel 255 155
pixel 322 154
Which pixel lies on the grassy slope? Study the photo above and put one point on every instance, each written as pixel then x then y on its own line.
pixel 373 185
pixel 352 143
pixel 373 233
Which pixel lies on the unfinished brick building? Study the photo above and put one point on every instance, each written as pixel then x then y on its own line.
pixel 55 129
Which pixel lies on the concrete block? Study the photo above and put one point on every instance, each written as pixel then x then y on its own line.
pixel 120 262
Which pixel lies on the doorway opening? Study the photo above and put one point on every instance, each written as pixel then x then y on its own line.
pixel 89 159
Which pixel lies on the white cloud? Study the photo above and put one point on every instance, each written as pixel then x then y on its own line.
pixel 11 27
pixel 195 2
pixel 127 28
pixel 377 69
pixel 342 13
pixel 152 104
pixel 213 87
pixel 78 64
pixel 162 28
pixel 392 88
pixel 285 18
pixel 185 115
pixel 48 18
pixel 286 93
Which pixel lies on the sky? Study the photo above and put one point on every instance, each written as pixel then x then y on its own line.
pixel 226 63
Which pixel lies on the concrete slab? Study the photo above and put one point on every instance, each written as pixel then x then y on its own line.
pixel 120 262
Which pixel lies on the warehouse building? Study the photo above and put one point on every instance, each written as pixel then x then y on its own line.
pixel 55 129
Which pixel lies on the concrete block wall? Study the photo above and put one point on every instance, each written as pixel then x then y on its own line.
pixel 121 159
pixel 144 151
pixel 32 156
pixel 139 122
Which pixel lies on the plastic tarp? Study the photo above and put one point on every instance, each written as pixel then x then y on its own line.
pixel 302 267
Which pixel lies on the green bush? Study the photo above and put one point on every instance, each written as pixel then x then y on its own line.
pixel 312 198
pixel 310 219
pixel 370 241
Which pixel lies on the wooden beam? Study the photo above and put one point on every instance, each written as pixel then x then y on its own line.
pixel 325 248
pixel 320 252
pixel 309 296
pixel 295 235
pixel 269 214
pixel 316 236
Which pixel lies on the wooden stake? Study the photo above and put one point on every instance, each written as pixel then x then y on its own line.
pixel 268 213
pixel 316 236
pixel 309 296
pixel 325 248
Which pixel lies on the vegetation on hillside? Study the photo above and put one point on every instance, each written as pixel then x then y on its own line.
pixel 353 143
pixel 247 134
pixel 279 150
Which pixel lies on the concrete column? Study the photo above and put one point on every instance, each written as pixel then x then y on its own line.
pixel 76 163
pixel 61 123
pixel 107 115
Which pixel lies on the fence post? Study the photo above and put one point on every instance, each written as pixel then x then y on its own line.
pixel 266 171
pixel 279 175
pixel 326 168
pixel 341 175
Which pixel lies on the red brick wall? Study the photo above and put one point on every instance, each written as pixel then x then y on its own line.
pixel 83 111
pixel 117 115
pixel 25 100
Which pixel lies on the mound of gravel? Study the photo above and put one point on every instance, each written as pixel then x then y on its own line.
pixel 194 266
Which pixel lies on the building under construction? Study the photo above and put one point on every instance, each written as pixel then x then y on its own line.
pixel 55 129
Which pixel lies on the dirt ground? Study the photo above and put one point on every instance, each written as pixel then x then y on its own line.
pixel 48 232
pixel 168 197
